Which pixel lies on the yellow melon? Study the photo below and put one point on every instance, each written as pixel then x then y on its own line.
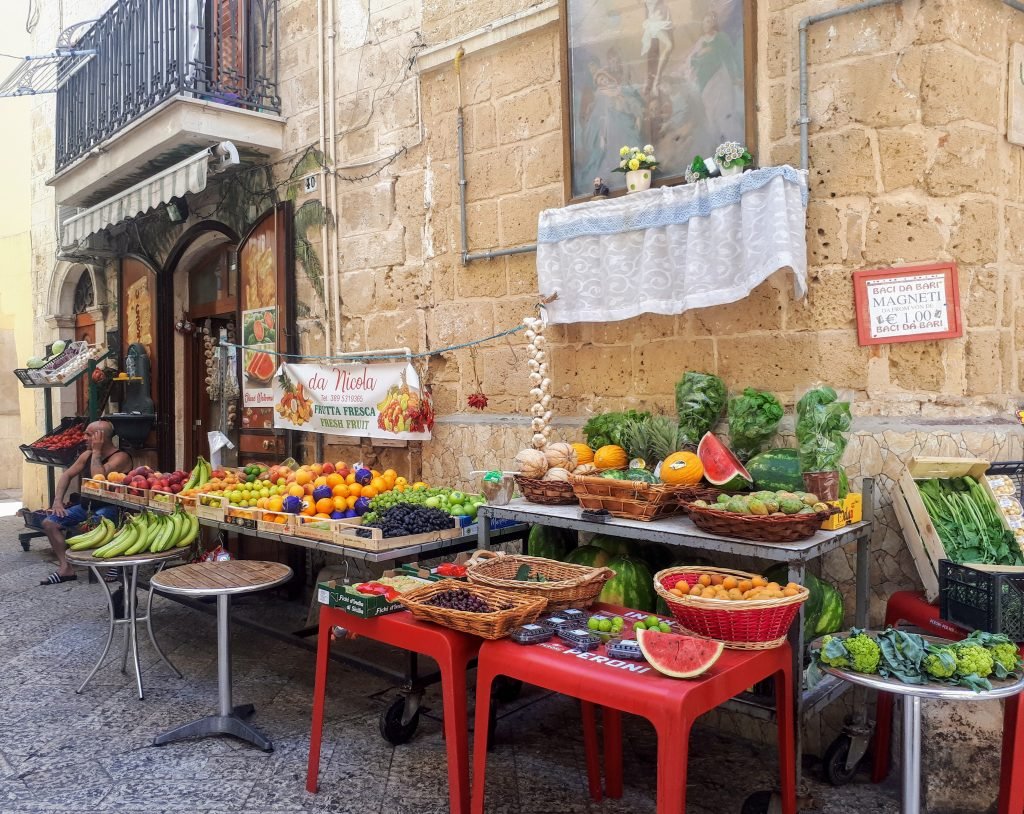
pixel 682 469
pixel 611 457
pixel 584 454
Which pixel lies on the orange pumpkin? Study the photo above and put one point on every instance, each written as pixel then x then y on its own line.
pixel 584 454
pixel 611 457
pixel 682 469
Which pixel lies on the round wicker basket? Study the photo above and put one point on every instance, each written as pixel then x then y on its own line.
pixel 548 492
pixel 567 585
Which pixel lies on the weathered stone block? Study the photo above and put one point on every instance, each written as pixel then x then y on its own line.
pixel 480 129
pixel 778 362
pixel 917 366
pixel 979 28
pixel 781 44
pixel 761 310
pixel 542 160
pixel 1013 235
pixel 867 32
pixel 521 271
pixel 781 117
pixel 519 214
pixel 661 363
pixel 529 114
pixel 842 163
pixel 975 237
pixel 492 173
pixel 590 370
pixel 953 737
pixel 823 231
pixel 367 209
pixel 452 322
pixel 904 156
pixel 401 287
pixel 373 250
pixel 982 362
pixel 902 232
pixel 967 160
pixel 481 278
pixel 636 330
pixel 524 62
pixel 957 86
pixel 876 91
pixel 829 302
pixel 481 223
pixel 981 297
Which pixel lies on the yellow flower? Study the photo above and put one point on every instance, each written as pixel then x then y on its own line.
pixel 634 164
pixel 624 151
pixel 641 157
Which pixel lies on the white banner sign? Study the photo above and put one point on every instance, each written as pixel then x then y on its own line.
pixel 365 400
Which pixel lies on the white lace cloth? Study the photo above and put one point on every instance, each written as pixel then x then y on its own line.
pixel 666 250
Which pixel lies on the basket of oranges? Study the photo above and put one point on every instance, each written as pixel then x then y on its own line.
pixel 744 611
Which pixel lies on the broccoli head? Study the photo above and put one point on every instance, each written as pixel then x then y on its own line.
pixel 940 662
pixel 864 652
pixel 834 653
pixel 1004 653
pixel 973 659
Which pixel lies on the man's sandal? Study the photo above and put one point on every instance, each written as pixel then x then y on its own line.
pixel 57 579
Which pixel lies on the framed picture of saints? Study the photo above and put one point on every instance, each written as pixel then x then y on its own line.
pixel 677 75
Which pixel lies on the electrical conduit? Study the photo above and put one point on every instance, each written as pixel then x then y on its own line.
pixel 332 221
pixel 323 176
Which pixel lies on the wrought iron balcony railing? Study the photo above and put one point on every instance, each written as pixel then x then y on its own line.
pixel 148 51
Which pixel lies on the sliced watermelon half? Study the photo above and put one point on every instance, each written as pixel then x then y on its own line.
pixel 678 656
pixel 721 467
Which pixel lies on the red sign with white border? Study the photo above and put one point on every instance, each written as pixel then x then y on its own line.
pixel 909 304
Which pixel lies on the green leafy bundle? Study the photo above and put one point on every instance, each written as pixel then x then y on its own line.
pixel 822 422
pixel 754 417
pixel 968 523
pixel 700 400
pixel 609 428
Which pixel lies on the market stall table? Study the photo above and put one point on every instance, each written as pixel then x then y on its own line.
pixel 671 705
pixel 130 566
pixel 223 580
pixel 912 695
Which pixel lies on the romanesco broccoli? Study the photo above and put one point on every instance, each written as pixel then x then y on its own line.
pixel 865 653
pixel 940 662
pixel 1005 654
pixel 973 659
pixel 834 653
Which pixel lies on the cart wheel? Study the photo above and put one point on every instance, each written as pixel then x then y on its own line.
pixel 762 802
pixel 507 690
pixel 25 545
pixel 391 727
pixel 836 771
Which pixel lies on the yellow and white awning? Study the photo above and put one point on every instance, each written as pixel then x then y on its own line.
pixel 185 176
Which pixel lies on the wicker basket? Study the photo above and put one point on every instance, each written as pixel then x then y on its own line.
pixel 567 586
pixel 742 624
pixel 522 609
pixel 637 500
pixel 548 492
pixel 786 529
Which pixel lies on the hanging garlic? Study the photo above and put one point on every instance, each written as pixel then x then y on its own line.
pixel 546 384
pixel 547 432
pixel 539 440
pixel 544 403
pixel 538 409
pixel 547 416
pixel 531 335
pixel 534 364
pixel 543 369
pixel 537 424
pixel 540 341
pixel 540 356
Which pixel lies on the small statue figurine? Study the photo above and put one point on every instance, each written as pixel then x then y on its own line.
pixel 601 188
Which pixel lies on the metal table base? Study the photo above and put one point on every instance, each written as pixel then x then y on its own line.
pixel 130 617
pixel 229 718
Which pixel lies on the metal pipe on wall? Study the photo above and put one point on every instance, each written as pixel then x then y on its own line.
pixel 806 23
pixel 323 175
pixel 1014 4
pixel 332 222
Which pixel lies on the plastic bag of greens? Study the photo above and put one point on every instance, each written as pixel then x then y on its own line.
pixel 822 426
pixel 754 417
pixel 700 400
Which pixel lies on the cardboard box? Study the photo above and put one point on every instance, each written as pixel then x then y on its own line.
pixel 367 606
pixel 836 521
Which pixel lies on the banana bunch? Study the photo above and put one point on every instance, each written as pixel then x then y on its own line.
pixel 147 532
pixel 200 475
pixel 94 538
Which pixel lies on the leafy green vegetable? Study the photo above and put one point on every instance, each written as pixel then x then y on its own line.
pixel 968 523
pixel 822 422
pixel 902 656
pixel 700 400
pixel 609 428
pixel 754 417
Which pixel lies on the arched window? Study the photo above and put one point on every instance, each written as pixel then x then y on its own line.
pixel 85 297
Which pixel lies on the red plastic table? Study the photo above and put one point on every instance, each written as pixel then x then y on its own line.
pixel 671 705
pixel 913 608
pixel 452 651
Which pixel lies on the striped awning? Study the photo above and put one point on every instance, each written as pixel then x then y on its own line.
pixel 185 176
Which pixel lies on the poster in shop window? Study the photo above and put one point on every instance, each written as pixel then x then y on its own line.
pixel 259 359
pixel 363 400
pixel 910 304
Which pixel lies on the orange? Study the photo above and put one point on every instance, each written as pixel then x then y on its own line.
pixel 400 487
pixel 419 485
pixel 334 480
pixel 302 477
pixel 350 478
pixel 340 503
pixel 351 501
pixel 390 474
pixel 309 488
pixel 325 505
pixel 341 490
pixel 321 516
pixel 261 503
pixel 321 481
pixel 340 465
pixel 308 507
pixel 400 481
pixel 284 471
pixel 280 518
pixel 369 491
pixel 99 476
pixel 375 473
pixel 296 491
pixel 379 484
pixel 317 468
pixel 275 503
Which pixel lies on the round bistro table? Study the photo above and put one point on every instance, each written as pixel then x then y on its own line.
pixel 130 567
pixel 223 580
pixel 912 694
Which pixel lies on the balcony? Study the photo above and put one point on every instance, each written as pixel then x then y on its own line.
pixel 169 77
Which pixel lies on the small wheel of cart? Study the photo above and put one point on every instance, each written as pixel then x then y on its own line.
pixel 837 766
pixel 24 544
pixel 393 728
pixel 506 690
pixel 762 802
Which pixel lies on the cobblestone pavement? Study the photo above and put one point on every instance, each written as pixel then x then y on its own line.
pixel 62 752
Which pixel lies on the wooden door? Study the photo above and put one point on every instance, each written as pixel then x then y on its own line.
pixel 227 48
pixel 85 331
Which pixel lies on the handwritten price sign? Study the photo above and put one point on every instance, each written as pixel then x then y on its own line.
pixel 907 305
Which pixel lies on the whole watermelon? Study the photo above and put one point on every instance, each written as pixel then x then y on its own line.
pixel 832 611
pixel 813 605
pixel 631 587
pixel 655 555
pixel 777 470
pixel 589 555
pixel 613 545
pixel 550 542
pixel 640 475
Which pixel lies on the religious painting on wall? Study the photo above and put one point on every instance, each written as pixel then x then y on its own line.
pixel 673 74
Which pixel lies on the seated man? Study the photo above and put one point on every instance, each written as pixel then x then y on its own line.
pixel 102 457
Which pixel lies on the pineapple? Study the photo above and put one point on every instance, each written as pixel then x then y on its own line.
pixel 651 439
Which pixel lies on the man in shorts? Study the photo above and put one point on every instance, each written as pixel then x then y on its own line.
pixel 102 457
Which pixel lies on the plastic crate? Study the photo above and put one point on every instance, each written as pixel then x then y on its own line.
pixel 978 599
pixel 1011 469
pixel 53 457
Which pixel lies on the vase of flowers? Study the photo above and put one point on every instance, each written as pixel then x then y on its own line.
pixel 732 158
pixel 638 165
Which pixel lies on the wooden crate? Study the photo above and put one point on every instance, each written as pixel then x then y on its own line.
pixel 276 522
pixel 215 510
pixel 163 502
pixel 347 533
pixel 918 529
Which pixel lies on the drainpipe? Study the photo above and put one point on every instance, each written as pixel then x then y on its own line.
pixel 332 95
pixel 466 257
pixel 1015 4
pixel 323 178
pixel 806 23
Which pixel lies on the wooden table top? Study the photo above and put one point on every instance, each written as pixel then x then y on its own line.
pixel 86 558
pixel 226 577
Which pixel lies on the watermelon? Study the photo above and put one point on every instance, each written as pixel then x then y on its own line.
pixel 777 470
pixel 550 542
pixel 678 656
pixel 640 475
pixel 832 612
pixel 631 587
pixel 816 593
pixel 721 467
pixel 589 555
pixel 613 545
pixel 656 556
